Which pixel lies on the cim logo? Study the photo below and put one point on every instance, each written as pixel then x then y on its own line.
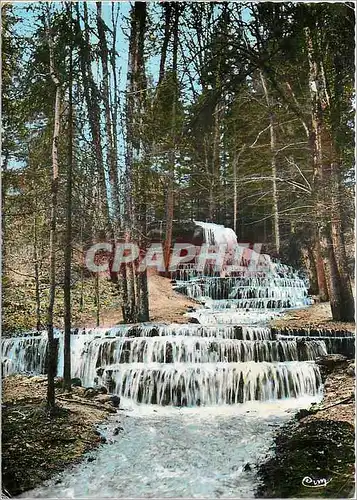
pixel 310 482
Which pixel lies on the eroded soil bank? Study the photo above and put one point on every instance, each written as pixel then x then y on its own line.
pixel 315 316
pixel 318 444
pixel 35 446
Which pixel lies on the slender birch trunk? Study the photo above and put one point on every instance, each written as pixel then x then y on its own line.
pixel 52 362
pixel 68 232
pixel 172 156
pixel 36 269
pixel 275 207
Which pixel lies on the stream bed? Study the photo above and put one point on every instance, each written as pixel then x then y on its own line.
pixel 166 452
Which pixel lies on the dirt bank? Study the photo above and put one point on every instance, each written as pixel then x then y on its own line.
pixel 315 316
pixel 35 446
pixel 318 445
pixel 166 306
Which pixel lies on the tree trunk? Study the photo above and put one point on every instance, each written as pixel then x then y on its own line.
pixel 169 223
pixel 235 188
pixel 309 262
pixel 36 271
pixel 320 271
pixel 275 207
pixel 235 196
pixel 105 95
pixel 68 233
pixel 52 362
pixel 322 182
pixel 97 299
pixel 135 223
pixel 172 156
pixel 168 9
pixel 216 174
pixel 92 98
pixel 143 297
pixel 332 274
pixel 339 247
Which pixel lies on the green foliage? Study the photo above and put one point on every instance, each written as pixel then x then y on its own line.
pixel 19 304
pixel 205 127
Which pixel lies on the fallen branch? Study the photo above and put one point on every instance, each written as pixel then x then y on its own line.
pixel 336 404
pixel 86 403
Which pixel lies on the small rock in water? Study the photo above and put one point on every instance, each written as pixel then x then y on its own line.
pixel 117 430
pixel 247 467
pixel 115 400
pixel 90 459
pixel 76 382
pixel 101 389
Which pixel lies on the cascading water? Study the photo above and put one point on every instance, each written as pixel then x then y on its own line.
pixel 190 386
pixel 220 361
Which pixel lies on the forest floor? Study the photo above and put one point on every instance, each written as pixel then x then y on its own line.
pixel 318 444
pixel 36 446
pixel 166 306
pixel 315 316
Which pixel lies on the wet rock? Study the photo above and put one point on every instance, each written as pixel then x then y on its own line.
pixel 117 430
pixel 101 436
pixel 304 413
pixel 90 459
pixel 109 381
pixel 76 382
pixel 247 467
pixel 115 400
pixel 90 393
pixel 194 320
pixel 58 382
pixel 351 370
pixel 101 389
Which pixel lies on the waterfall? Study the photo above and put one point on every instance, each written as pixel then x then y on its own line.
pixel 216 234
pixel 23 354
pixel 189 384
pixel 181 364
pixel 228 356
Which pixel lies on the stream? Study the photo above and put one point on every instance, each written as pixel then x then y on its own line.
pixel 172 452
pixel 201 401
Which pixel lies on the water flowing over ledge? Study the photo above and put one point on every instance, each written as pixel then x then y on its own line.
pixel 200 401
pixel 229 357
